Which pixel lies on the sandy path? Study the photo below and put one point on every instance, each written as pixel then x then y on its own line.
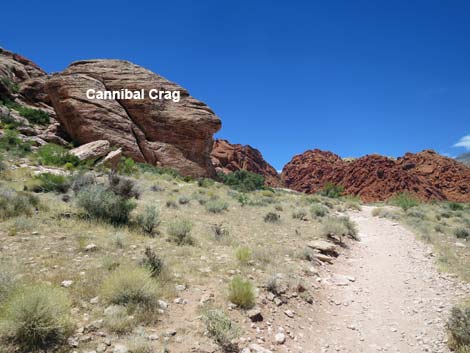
pixel 396 300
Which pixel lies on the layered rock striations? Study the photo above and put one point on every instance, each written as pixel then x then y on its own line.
pixel 227 157
pixel 375 178
pixel 165 133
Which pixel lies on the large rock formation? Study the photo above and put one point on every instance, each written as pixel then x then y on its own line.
pixel 376 178
pixel 227 157
pixel 159 132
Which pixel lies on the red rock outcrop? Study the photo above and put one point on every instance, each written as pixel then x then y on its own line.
pixel 376 178
pixel 165 133
pixel 227 157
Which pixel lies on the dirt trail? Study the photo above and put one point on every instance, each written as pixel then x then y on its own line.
pixel 385 295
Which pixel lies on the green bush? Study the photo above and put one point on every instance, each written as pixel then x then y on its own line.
pixel 221 329
pixel 404 200
pixel 242 180
pixel 455 206
pixel 130 285
pixel 35 116
pixel 127 166
pixel 152 262
pixel 299 214
pixel 462 233
pixel 184 200
pixel 7 281
pixel 100 203
pixel 125 187
pixel 118 321
pixel 339 226
pixel 216 206
pixel 12 86
pixel 52 154
pixel 272 217
pixel 10 142
pixel 16 203
pixel 318 210
pixel 52 182
pixel 149 219
pixel 152 169
pixel 36 318
pixel 179 231
pixel 82 180
pixel 459 329
pixel 205 182
pixel 241 292
pixel 243 255
pixel 331 190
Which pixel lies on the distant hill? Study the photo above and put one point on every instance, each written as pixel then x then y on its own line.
pixel 464 158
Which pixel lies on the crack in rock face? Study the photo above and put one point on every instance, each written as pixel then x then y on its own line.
pixel 160 132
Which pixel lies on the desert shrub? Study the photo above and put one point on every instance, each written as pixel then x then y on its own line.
pixel 459 328
pixel 119 240
pixel 157 188
pixel 118 320
pixel 339 226
pixel 318 210
pixel 52 154
pixel 171 203
pixel 81 180
pixel 216 206
pixel 331 190
pixel 241 292
pixel 267 193
pixel 123 186
pixel 16 203
pixel 205 182
pixel 243 255
pixel 299 214
pixel 455 206
pixel 243 199
pixel 220 231
pixel 152 169
pixel 36 318
pixel 7 281
pixel 243 180
pixel 100 203
pixel 352 205
pixel 462 233
pixel 52 182
pixel 404 200
pixel 221 329
pixel 183 200
pixel 272 217
pixel 416 213
pixel 35 116
pixel 149 219
pixel 127 166
pixel 152 262
pixel 382 212
pixel 11 85
pixel 179 231
pixel 10 142
pixel 130 285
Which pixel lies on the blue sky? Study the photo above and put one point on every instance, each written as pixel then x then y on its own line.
pixel 353 77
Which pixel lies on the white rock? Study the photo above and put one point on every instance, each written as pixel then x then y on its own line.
pixel 280 338
pixel 66 283
pixel 120 348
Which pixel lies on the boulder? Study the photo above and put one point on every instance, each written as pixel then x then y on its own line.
pixel 160 132
pixel 92 150
pixel 112 159
pixel 323 246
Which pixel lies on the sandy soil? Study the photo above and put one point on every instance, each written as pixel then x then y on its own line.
pixel 384 295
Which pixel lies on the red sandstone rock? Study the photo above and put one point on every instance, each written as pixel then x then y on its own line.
pixel 227 157
pixel 165 133
pixel 376 178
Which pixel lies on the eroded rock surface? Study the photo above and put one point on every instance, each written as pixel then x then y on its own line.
pixel 159 132
pixel 227 157
pixel 376 178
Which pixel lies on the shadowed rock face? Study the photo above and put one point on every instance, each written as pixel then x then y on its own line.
pixel 376 178
pixel 163 133
pixel 227 157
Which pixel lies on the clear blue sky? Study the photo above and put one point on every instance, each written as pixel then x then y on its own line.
pixel 354 77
